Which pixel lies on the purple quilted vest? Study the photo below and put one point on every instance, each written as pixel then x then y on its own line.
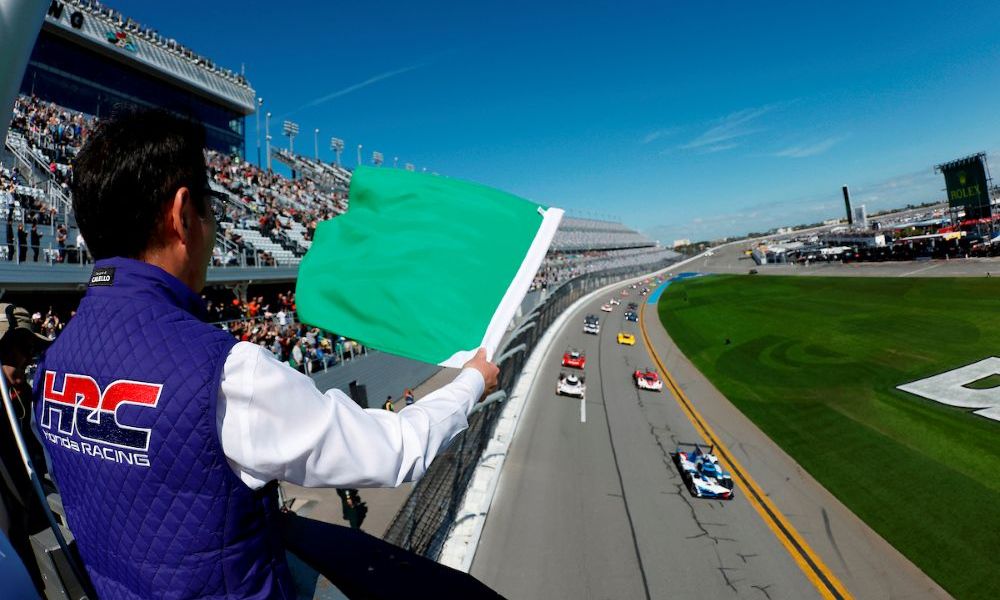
pixel 125 402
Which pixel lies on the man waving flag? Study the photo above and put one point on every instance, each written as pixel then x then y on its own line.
pixel 424 266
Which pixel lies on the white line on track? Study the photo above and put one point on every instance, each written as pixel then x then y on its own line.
pixel 920 270
pixel 583 410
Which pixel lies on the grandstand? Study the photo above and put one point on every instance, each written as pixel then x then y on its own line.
pixel 332 177
pixel 272 218
pixel 89 58
pixel 577 235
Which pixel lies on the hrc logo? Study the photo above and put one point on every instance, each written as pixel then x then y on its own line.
pixel 82 409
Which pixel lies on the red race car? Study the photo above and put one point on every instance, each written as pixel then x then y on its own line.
pixel 647 380
pixel 575 359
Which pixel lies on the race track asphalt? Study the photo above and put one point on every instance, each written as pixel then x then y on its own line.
pixel 596 509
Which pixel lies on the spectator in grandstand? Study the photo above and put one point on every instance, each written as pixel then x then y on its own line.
pixel 223 418
pixel 61 235
pixel 36 241
pixel 81 248
pixel 51 326
pixel 387 405
pixel 408 396
pixel 10 235
pixel 323 357
pixel 297 358
pixel 22 243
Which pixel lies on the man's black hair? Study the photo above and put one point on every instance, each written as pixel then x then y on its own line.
pixel 128 171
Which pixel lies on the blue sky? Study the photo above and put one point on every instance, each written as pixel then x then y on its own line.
pixel 684 120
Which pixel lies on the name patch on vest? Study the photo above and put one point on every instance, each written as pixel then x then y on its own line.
pixel 103 276
pixel 83 418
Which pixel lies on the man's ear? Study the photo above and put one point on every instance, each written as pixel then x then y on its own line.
pixel 179 216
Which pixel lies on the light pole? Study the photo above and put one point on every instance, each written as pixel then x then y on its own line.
pixel 359 155
pixel 267 138
pixel 395 159
pixel 291 130
pixel 337 145
pixel 260 103
pixel 316 144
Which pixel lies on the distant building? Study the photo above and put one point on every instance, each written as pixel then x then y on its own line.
pixel 679 243
pixel 863 239
pixel 860 218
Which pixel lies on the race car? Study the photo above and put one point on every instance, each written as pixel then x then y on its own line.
pixel 647 380
pixel 624 293
pixel 607 307
pixel 570 385
pixel 632 306
pixel 575 359
pixel 631 316
pixel 614 302
pixel 644 291
pixel 591 325
pixel 626 338
pixel 702 473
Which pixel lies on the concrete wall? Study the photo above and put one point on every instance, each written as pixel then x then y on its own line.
pixel 383 374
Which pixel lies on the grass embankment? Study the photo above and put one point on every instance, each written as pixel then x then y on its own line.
pixel 814 362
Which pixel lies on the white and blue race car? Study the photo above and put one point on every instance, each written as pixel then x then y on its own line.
pixel 570 384
pixel 702 473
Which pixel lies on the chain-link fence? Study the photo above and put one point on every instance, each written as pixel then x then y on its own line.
pixel 424 521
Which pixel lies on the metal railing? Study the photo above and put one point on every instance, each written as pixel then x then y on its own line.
pixel 429 513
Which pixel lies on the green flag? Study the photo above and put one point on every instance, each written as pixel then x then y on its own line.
pixel 423 266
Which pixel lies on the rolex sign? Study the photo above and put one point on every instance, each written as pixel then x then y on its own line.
pixel 967 187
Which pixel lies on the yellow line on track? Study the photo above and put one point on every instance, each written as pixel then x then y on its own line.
pixel 805 557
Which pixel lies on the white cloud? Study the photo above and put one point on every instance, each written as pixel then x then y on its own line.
pixel 813 149
pixel 725 132
pixel 652 136
pixel 718 147
pixel 355 87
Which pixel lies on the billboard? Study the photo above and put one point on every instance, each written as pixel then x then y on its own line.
pixel 967 186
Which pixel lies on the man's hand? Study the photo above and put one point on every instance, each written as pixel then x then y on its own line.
pixel 489 371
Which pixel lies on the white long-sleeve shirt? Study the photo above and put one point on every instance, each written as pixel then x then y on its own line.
pixel 274 424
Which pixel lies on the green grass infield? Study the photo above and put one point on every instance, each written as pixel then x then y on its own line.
pixel 815 362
